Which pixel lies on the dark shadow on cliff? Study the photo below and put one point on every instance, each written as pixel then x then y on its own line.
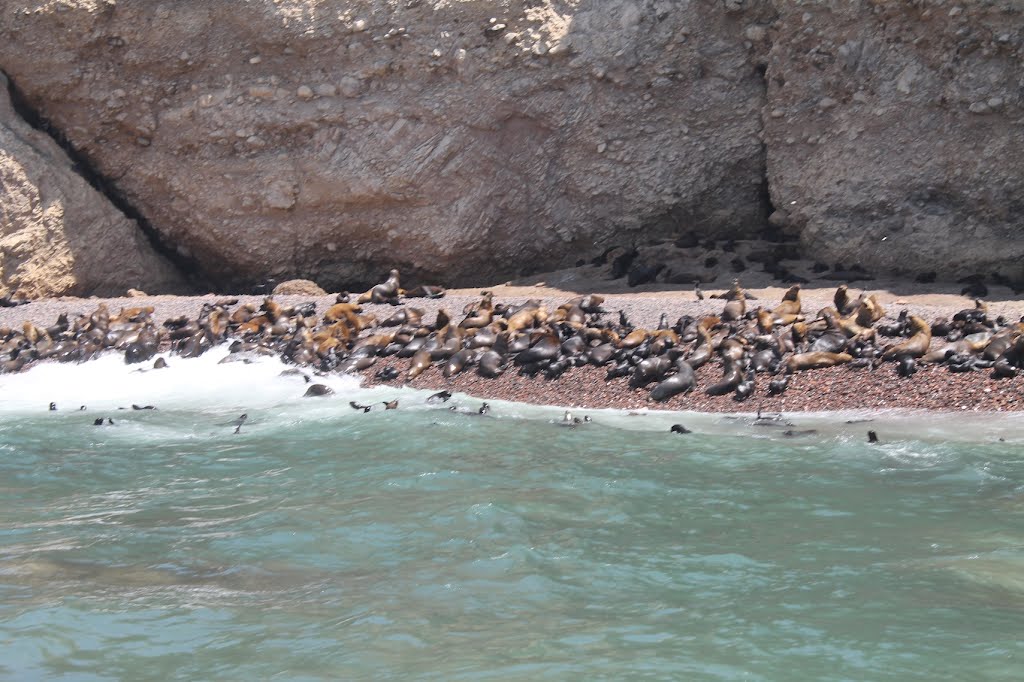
pixel 186 267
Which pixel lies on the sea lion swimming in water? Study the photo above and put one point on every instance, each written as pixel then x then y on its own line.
pixel 356 406
pixel 443 396
pixel 393 405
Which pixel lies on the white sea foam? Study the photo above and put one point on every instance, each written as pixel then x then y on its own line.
pixel 195 383
pixel 205 383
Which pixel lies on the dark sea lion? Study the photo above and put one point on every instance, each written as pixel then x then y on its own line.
pixel 142 407
pixel 160 363
pixel 443 396
pixel 679 428
pixel 356 406
pixel 683 381
pixel 98 421
pixel 484 409
pixel 316 390
pixel 804 432
pixel 731 378
pixel 490 364
pixel 388 374
pixel 872 437
pixel 53 407
pixel 906 366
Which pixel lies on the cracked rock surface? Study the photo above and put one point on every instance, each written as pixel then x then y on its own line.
pixel 58 235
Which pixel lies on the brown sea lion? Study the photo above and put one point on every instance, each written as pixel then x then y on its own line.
pixel 817 360
pixel 916 345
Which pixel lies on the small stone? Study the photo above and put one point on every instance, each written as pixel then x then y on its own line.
pixel 979 108
pixel 755 34
pixel 601 147
pixel 995 102
pixel 777 113
pixel 143 141
pixel 261 92
pixel 734 5
pixel 255 60
pixel 326 90
pixel 826 103
pixel 359 25
pixel 349 86
pixel 494 30
pixel 304 92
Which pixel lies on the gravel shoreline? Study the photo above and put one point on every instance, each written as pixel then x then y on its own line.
pixel 835 388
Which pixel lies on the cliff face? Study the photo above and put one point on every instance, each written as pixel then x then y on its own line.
pixel 58 235
pixel 894 133
pixel 469 141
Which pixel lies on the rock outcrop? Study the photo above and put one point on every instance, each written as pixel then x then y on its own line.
pixel 58 235
pixel 894 134
pixel 461 142
pixel 467 142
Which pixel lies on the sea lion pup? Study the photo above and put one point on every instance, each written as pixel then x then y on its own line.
pixel 386 292
pixel 788 311
pixel 916 345
pixel 816 360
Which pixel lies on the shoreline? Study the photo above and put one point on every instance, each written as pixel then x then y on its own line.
pixel 933 388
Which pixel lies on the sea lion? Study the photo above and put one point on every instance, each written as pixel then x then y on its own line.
pixel 392 405
pixel 731 378
pixel 484 409
pixel 142 407
pixel 420 361
pixel 388 374
pixel 316 390
pixel 683 381
pixel 356 406
pixel 386 292
pixel 443 396
pixel 53 407
pixel 916 345
pixel 816 360
pixel 679 428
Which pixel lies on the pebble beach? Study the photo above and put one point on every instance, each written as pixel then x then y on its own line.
pixel 933 387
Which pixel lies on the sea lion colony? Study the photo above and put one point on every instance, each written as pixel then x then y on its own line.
pixel 757 348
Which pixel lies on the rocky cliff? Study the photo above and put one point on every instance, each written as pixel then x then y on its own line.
pixel 58 235
pixel 467 141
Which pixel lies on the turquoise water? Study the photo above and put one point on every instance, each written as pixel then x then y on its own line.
pixel 322 543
